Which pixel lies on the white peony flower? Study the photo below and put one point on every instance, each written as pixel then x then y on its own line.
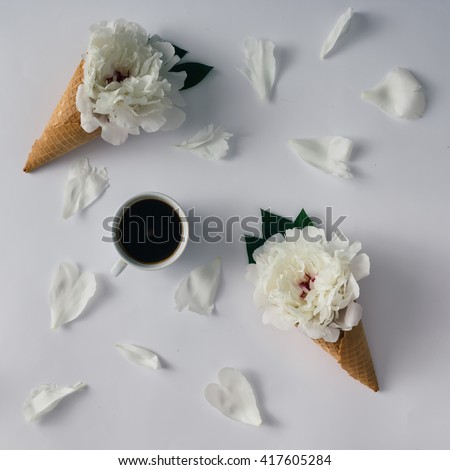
pixel 302 280
pixel 128 83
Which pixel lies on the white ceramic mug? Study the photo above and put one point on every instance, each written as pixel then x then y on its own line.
pixel 125 260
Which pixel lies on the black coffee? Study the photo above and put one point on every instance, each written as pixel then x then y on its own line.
pixel 150 231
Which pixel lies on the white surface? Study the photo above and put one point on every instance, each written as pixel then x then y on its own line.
pixel 397 205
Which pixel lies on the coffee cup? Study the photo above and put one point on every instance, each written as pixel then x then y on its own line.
pixel 150 232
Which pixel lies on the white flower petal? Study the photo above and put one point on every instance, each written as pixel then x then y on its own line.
pixel 85 183
pixel 174 117
pixel 260 65
pixel 314 330
pixel 234 397
pixel 331 334
pixel 208 142
pixel 352 288
pixel 329 154
pixel 70 292
pixel 176 80
pixel 350 317
pixel 139 355
pixel 45 398
pixel 82 100
pixel 88 121
pixel 165 47
pixel 340 28
pixel 89 124
pixel 275 315
pixel 276 238
pixel 338 245
pixel 198 290
pixel 400 94
pixel 360 266
pixel 353 314
pixel 153 122
pixel 114 134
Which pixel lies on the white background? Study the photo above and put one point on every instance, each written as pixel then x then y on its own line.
pixel 397 205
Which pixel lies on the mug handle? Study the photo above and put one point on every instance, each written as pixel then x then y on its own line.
pixel 118 267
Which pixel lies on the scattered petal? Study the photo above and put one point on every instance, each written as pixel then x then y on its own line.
pixel 45 398
pixel 234 397
pixel 400 94
pixel 139 355
pixel 84 185
pixel 70 292
pixel 209 143
pixel 198 290
pixel 340 28
pixel 260 65
pixel 329 154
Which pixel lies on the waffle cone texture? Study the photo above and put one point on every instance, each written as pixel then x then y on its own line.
pixel 63 132
pixel 351 351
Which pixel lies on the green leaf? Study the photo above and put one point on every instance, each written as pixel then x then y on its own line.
pixel 196 72
pixel 179 52
pixel 302 220
pixel 273 223
pixel 252 244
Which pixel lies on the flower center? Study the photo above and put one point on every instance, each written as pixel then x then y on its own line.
pixel 117 77
pixel 306 285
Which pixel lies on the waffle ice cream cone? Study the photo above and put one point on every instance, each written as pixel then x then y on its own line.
pixel 63 132
pixel 351 351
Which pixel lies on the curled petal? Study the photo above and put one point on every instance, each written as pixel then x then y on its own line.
pixel 45 398
pixel 198 290
pixel 84 185
pixel 234 397
pixel 260 65
pixel 330 154
pixel 139 355
pixel 70 292
pixel 340 28
pixel 400 94
pixel 209 142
